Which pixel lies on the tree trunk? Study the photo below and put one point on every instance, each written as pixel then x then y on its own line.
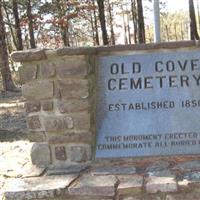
pixel 64 28
pixel 141 29
pixel 93 30
pixel 30 25
pixel 111 24
pixel 102 21
pixel 182 34
pixel 10 24
pixel 198 13
pixel 129 33
pixel 9 43
pixel 167 32
pixel 193 26
pixel 95 24
pixel 128 26
pixel 175 31
pixel 125 28
pixel 65 36
pixel 8 84
pixel 134 16
pixel 17 25
pixel 150 38
pixel 96 27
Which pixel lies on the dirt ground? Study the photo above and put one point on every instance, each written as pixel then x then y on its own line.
pixel 12 117
pixel 14 146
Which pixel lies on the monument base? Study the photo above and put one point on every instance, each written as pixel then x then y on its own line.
pixel 160 180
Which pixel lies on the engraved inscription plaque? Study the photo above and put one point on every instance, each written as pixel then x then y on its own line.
pixel 148 104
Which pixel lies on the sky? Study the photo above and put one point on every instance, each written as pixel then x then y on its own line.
pixel 176 5
pixel 171 6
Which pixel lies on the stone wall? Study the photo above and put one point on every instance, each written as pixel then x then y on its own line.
pixel 60 100
pixel 160 181
pixel 59 86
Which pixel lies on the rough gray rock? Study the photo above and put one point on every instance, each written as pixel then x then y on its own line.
pixel 114 170
pixel 188 166
pixel 37 187
pixel 40 154
pixel 94 186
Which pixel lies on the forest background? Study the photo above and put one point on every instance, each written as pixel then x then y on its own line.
pixel 30 24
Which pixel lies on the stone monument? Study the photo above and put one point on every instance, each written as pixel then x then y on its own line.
pixel 116 122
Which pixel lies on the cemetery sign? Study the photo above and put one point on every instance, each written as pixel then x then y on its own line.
pixel 148 104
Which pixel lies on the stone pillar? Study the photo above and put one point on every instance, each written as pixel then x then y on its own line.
pixel 60 105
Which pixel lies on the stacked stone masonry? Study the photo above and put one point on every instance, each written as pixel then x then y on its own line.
pixel 160 181
pixel 60 95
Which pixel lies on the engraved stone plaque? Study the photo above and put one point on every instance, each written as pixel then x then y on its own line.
pixel 148 104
